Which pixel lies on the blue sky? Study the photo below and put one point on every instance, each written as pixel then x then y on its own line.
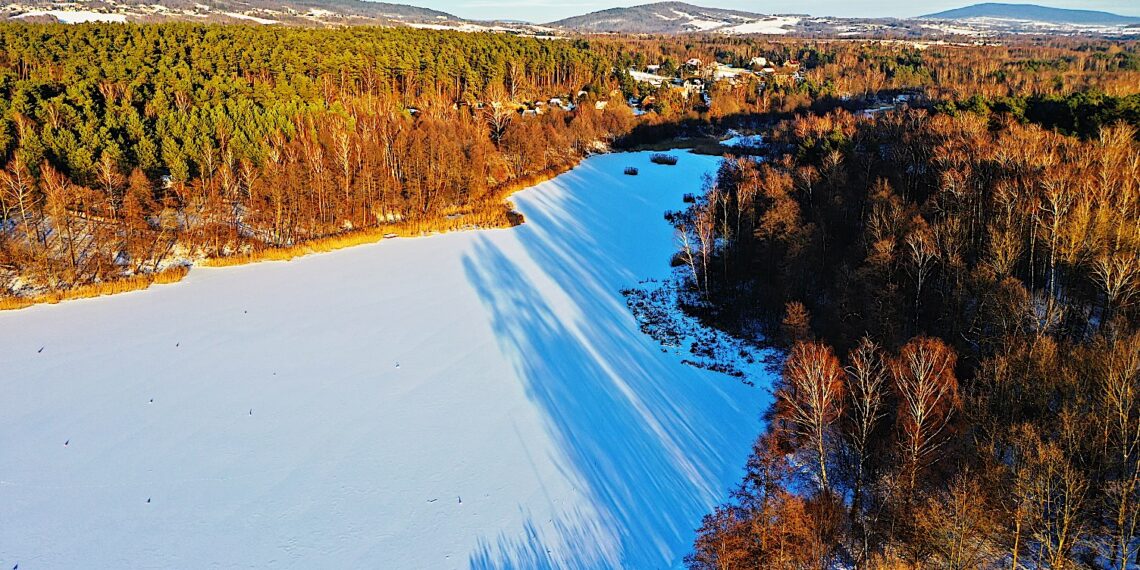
pixel 549 10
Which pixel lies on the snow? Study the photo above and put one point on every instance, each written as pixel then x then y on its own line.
pixel 728 72
pixel 75 16
pixel 949 29
pixel 648 77
pixel 983 26
pixel 426 26
pixel 463 27
pixel 704 25
pixel 771 25
pixel 469 400
pixel 251 18
pixel 871 112
pixel 737 140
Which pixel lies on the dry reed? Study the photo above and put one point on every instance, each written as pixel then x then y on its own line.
pixel 122 285
pixel 492 211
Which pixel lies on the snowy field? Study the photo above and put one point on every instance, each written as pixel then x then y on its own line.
pixel 471 400
pixel 75 16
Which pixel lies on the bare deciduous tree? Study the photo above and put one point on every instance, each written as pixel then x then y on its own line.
pixel 866 393
pixel 810 400
pixel 928 396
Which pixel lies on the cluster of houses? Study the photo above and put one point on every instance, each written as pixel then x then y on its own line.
pixel 541 107
pixel 701 75
pixel 694 80
pixel 535 108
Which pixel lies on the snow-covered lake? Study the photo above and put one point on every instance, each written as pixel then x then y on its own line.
pixel 470 400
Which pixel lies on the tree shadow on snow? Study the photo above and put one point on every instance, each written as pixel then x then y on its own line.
pixel 655 444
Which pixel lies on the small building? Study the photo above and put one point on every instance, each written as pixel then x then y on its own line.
pixel 694 63
pixel 759 62
pixel 601 105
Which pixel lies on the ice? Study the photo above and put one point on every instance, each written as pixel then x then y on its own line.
pixel 525 390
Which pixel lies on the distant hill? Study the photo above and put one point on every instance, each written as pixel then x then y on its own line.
pixel 306 12
pixel 1035 13
pixel 675 18
pixel 660 18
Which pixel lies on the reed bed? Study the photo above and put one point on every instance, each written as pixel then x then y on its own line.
pixel 114 286
pixel 492 211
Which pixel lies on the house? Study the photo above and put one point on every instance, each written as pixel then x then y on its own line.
pixel 696 63
pixel 652 68
pixel 759 62
pixel 601 105
pixel 693 86
pixel 561 104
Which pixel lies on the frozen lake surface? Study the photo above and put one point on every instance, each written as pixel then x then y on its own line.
pixel 480 399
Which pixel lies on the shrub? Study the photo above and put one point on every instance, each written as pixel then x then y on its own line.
pixel 631 171
pixel 661 158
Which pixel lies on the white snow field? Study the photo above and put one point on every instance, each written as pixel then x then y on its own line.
pixel 75 16
pixel 470 400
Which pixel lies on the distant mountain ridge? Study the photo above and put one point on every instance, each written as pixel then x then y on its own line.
pixel 1034 13
pixel 303 12
pixel 671 17
pixel 676 17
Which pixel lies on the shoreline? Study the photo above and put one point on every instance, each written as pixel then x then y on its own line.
pixel 499 198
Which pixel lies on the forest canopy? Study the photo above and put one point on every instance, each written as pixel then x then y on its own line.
pixel 960 305
pixel 131 147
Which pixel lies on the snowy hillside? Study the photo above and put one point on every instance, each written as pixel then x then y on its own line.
pixel 678 17
pixel 994 18
pixel 298 12
pixel 480 400
pixel 1035 13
